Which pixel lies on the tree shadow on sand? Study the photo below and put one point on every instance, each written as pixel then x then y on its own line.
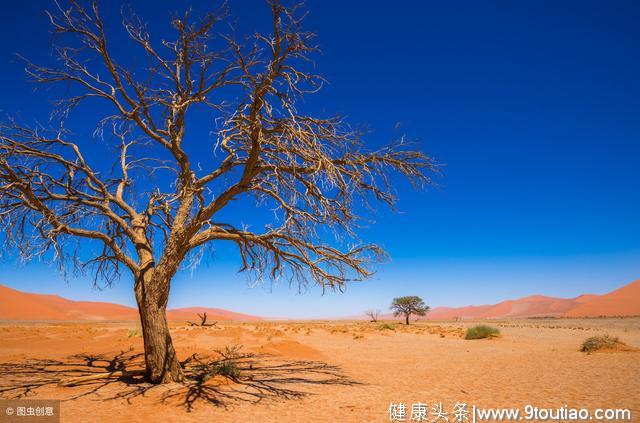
pixel 227 376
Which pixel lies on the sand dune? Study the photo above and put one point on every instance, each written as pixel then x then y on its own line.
pixel 585 298
pixel 532 306
pixel 621 302
pixel 18 305
pixel 213 314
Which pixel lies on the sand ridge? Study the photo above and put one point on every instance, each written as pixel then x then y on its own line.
pixel 18 305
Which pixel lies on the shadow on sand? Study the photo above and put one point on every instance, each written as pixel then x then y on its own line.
pixel 229 376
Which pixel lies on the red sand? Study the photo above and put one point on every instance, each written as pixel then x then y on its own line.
pixel 622 302
pixel 18 305
pixel 532 306
pixel 213 314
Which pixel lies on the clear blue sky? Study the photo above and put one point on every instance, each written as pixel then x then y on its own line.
pixel 532 106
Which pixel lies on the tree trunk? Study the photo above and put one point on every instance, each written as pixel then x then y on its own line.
pixel 406 318
pixel 162 364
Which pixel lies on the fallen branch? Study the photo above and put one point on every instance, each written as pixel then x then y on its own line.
pixel 121 373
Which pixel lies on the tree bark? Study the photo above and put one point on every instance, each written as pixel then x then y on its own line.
pixel 162 364
pixel 406 318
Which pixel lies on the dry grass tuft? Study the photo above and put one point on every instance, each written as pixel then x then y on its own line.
pixel 481 332
pixel 386 326
pixel 134 333
pixel 603 343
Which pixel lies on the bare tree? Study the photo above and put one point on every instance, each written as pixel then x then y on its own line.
pixel 373 315
pixel 203 321
pixel 153 207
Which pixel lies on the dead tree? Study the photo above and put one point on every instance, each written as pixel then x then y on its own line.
pixel 203 321
pixel 373 315
pixel 155 205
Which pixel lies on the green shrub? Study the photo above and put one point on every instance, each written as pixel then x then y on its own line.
pixel 226 368
pixel 386 326
pixel 602 342
pixel 481 332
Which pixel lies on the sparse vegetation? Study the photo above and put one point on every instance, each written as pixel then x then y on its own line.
pixel 481 332
pixel 386 326
pixel 227 366
pixel 602 342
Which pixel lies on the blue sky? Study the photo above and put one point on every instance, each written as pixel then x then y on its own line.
pixel 533 108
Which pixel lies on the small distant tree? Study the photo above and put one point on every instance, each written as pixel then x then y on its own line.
pixel 373 315
pixel 406 306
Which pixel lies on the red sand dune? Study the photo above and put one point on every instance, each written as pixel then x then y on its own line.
pixel 624 301
pixel 585 298
pixel 532 306
pixel 621 302
pixel 213 314
pixel 18 305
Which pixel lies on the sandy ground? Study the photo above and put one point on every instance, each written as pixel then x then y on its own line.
pixel 324 371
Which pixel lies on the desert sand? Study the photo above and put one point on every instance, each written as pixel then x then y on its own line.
pixel 324 371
